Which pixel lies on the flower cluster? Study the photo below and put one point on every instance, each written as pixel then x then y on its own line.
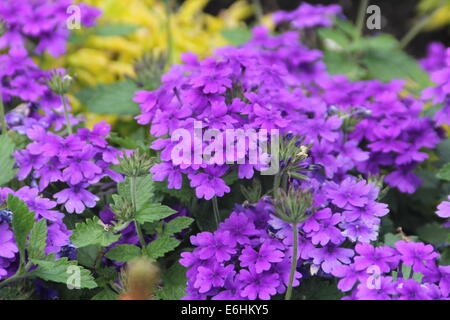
pixel 308 16
pixel 241 260
pixel 345 212
pixel 41 26
pixel 379 273
pixel 58 234
pixel 274 82
pixel 79 160
pixel 440 94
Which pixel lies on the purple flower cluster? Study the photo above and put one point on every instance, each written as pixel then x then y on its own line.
pixel 440 94
pixel 58 235
pixel 79 160
pixel 347 212
pixel 308 16
pixel 41 26
pixel 242 260
pixel 41 22
pixel 435 58
pixel 274 82
pixel 376 273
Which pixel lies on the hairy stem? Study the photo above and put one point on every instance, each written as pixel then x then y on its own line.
pixel 66 115
pixel 216 210
pixel 133 202
pixel 2 116
pixel 293 263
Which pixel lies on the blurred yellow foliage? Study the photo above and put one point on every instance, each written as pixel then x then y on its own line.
pixel 95 58
pixel 441 18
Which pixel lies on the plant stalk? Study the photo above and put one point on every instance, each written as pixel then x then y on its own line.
pixel 415 30
pixel 3 116
pixel 66 115
pixel 293 264
pixel 133 202
pixel 361 17
pixel 169 37
pixel 216 210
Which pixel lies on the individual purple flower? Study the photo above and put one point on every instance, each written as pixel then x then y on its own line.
pixel 258 285
pixel 209 184
pixel 8 247
pixel 384 258
pixel 349 192
pixel 218 245
pixel 415 254
pixel 444 209
pixel 261 258
pixel 331 256
pixel 76 198
pixel 212 277
pixel 240 227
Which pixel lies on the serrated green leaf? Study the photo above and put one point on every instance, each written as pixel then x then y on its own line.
pixel 37 240
pixel 152 213
pixel 22 221
pixel 417 276
pixel 105 294
pixel 176 225
pixel 390 239
pixel 92 233
pixel 7 173
pixel 406 272
pixel 334 35
pixel 144 187
pixel 444 172
pixel 123 252
pixel 433 233
pixel 63 271
pixel 114 98
pixel 159 247
pixel 89 256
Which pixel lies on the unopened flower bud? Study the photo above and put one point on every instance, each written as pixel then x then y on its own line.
pixel 60 84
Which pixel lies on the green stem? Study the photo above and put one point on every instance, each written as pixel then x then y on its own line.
pixel 415 30
pixel 66 115
pixel 133 202
pixel 5 282
pixel 216 210
pixel 258 10
pixel 361 17
pixel 168 32
pixel 293 263
pixel 2 116
pixel 276 183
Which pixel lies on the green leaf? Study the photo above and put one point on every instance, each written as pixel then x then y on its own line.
pixel 417 276
pixel 7 173
pixel 444 172
pixel 387 65
pixel 123 252
pixel 22 221
pixel 63 271
pixel 115 29
pixel 92 233
pixel 144 187
pixel 89 256
pixel 406 272
pixel 334 35
pixel 176 225
pixel 341 63
pixel 114 98
pixel 237 36
pixel 174 283
pixel 390 239
pixel 37 240
pixel 159 247
pixel 152 213
pixel 105 294
pixel 433 233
